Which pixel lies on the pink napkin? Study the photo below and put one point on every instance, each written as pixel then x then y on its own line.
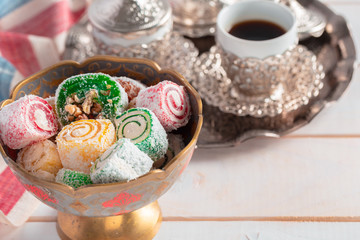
pixel 32 37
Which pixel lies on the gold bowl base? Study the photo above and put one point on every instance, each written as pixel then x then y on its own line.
pixel 143 223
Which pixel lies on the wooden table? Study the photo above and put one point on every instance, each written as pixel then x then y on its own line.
pixel 302 186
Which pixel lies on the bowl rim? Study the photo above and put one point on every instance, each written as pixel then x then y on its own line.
pixel 152 174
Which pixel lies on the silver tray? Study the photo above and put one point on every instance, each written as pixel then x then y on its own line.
pixel 334 49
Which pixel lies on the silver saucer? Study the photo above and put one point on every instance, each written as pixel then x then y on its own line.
pixel 336 52
pixel 255 87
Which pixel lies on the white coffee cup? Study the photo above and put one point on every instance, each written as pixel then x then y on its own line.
pixel 247 10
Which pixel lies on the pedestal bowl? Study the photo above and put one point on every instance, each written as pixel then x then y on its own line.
pixel 124 210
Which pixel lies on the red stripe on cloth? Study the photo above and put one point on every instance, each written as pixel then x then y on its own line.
pixel 10 192
pixel 17 49
pixel 54 20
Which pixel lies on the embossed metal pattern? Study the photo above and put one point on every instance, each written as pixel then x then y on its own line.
pixel 258 87
pixel 100 200
pixel 335 51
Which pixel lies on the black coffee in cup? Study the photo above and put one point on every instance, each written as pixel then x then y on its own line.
pixel 256 30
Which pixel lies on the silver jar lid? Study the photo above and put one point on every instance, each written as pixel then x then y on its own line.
pixel 124 16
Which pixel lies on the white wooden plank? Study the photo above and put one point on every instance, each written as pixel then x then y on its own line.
pixel 270 177
pixel 258 231
pixel 191 230
pixel 30 231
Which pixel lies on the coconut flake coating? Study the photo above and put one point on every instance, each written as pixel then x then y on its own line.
pixel 72 178
pixel 40 159
pixel 121 162
pixel 131 86
pixel 27 120
pixel 143 128
pixel 169 102
pixel 82 142
pixel 109 94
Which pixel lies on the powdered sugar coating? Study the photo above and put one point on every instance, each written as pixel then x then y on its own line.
pixel 143 128
pixel 72 178
pixel 121 162
pixel 169 102
pixel 131 86
pixel 110 94
pixel 82 142
pixel 27 120
pixel 41 159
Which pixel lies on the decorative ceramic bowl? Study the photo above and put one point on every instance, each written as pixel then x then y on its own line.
pixel 126 210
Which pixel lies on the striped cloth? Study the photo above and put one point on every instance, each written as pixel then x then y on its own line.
pixel 32 37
